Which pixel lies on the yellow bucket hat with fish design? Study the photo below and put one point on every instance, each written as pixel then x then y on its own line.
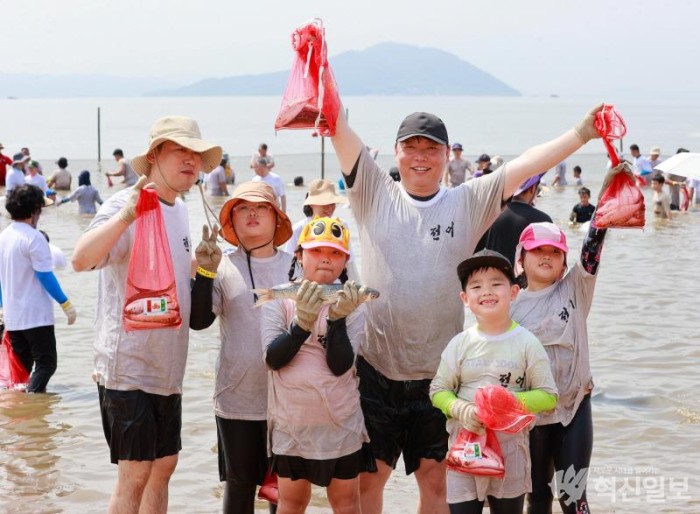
pixel 330 232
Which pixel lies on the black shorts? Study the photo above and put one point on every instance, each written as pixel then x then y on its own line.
pixel 140 426
pixel 321 472
pixel 242 450
pixel 401 418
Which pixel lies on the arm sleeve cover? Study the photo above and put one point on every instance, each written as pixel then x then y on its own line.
pixel 443 400
pixel 285 346
pixel 202 315
pixel 339 354
pixel 50 283
pixel 537 400
pixel 592 248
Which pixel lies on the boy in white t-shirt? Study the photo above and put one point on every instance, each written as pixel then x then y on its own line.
pixel 495 351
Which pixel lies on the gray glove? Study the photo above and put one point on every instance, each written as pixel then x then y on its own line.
pixel 128 213
pixel 208 253
pixel 585 129
pixel 349 299
pixel 309 304
pixel 466 413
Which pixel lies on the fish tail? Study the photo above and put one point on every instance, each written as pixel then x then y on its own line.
pixel 264 295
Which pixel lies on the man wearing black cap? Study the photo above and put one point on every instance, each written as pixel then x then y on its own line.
pixel 483 165
pixel 457 168
pixel 413 234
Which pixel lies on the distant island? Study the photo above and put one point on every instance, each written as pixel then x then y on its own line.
pixel 383 69
pixel 389 69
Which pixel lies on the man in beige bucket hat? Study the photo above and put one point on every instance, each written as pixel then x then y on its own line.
pixel 253 222
pixel 139 373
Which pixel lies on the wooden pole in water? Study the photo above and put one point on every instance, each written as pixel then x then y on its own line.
pixel 323 157
pixel 99 140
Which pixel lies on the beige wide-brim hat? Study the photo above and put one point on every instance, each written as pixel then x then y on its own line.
pixel 185 132
pixel 322 192
pixel 655 150
pixel 255 192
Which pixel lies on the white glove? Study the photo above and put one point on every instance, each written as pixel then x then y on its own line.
pixel 128 213
pixel 585 129
pixel 69 311
pixel 466 413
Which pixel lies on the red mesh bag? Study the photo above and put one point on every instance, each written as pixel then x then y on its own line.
pixel 621 203
pixel 151 296
pixel 500 410
pixel 476 454
pixel 610 126
pixel 13 374
pixel 269 490
pixel 311 99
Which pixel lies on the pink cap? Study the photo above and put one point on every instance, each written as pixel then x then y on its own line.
pixel 536 235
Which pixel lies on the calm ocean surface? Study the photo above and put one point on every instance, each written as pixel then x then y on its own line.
pixel 643 327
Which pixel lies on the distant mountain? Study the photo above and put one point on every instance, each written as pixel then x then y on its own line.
pixel 75 86
pixel 383 69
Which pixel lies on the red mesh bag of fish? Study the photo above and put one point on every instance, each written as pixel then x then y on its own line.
pixel 621 203
pixel 151 296
pixel 311 99
pixel 13 374
pixel 500 410
pixel 476 454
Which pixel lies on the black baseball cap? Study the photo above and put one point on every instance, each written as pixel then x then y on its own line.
pixel 484 259
pixel 484 157
pixel 423 124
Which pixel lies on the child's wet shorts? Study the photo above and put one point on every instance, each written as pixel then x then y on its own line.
pixel 139 425
pixel 321 472
pixel 400 418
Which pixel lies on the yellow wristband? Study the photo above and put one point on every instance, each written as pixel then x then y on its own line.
pixel 205 273
pixel 65 305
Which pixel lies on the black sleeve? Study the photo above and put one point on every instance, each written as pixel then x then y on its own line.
pixel 285 346
pixel 350 177
pixel 339 354
pixel 201 315
pixel 592 248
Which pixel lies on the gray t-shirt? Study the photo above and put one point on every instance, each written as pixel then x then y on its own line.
pixel 87 197
pixel 514 360
pixel 150 360
pixel 457 170
pixel 241 375
pixel 410 253
pixel 557 316
pixel 313 413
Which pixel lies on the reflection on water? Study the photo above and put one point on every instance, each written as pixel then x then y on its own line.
pixel 643 332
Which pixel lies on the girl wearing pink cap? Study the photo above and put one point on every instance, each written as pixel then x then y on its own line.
pixel 316 429
pixel 554 305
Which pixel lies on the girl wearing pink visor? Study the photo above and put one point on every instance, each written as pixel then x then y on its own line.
pixel 554 305
pixel 317 433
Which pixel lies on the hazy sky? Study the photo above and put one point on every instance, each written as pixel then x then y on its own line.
pixel 568 47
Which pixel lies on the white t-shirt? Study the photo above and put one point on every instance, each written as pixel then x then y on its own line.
pixel 38 181
pixel 515 360
pixel 23 251
pixel 58 258
pixel 241 375
pixel 150 360
pixel 557 315
pixel 14 178
pixel 274 180
pixel 410 253
pixel 214 180
pixel 311 412
pixel 695 185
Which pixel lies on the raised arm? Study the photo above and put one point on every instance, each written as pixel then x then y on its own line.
pixel 543 157
pixel 346 142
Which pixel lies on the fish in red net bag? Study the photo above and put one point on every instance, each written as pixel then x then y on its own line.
pixel 500 410
pixel 151 296
pixel 310 100
pixel 13 374
pixel 476 454
pixel 621 203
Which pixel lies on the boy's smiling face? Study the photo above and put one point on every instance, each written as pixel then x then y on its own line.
pixel 488 294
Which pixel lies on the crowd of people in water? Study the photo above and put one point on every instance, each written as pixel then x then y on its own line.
pixel 331 377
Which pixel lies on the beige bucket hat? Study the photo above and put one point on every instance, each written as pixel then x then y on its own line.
pixel 185 132
pixel 254 192
pixel 322 192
